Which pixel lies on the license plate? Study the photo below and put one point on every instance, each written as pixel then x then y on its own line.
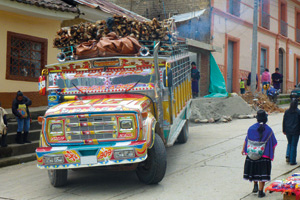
pixel 86 160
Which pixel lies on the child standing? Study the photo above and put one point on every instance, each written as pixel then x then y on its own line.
pixel 3 126
pixel 242 86
pixel 20 110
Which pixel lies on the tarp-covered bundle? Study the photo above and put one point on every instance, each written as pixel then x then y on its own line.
pixel 108 46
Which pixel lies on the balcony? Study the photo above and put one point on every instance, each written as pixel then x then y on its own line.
pixel 265 20
pixel 283 28
pixel 298 35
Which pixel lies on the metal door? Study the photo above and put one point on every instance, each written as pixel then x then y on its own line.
pixel 263 60
pixel 297 71
pixel 229 65
pixel 280 64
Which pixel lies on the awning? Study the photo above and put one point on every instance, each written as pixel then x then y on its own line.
pixel 188 16
pixel 195 46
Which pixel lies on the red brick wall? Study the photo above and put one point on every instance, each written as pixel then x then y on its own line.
pixel 37 100
pixel 204 73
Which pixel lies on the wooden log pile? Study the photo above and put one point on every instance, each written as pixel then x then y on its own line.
pixel 122 26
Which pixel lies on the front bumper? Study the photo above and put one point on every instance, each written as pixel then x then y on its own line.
pixel 91 155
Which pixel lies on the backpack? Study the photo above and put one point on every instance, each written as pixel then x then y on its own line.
pixel 256 149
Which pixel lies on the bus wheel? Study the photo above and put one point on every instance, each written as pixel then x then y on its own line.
pixel 183 136
pixel 153 169
pixel 58 177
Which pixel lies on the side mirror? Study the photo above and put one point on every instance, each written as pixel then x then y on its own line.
pixel 145 114
pixel 168 78
pixel 40 120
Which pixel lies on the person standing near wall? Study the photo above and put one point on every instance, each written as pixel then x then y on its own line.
pixel 3 126
pixel 265 80
pixel 20 110
pixel 277 79
pixel 195 80
pixel 291 128
pixel 242 86
pixel 249 81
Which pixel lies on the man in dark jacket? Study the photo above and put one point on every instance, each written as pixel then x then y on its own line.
pixel 195 74
pixel 277 79
pixel 291 128
pixel 21 111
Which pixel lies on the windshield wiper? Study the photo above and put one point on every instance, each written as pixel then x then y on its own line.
pixel 127 90
pixel 79 89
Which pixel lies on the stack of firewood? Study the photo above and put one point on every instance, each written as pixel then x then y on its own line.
pixel 122 26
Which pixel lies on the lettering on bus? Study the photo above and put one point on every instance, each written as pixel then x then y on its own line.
pixel 106 63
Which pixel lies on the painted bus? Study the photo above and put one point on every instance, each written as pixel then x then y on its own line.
pixel 115 112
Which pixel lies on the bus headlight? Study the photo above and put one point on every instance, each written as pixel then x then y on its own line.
pixel 56 129
pixel 126 124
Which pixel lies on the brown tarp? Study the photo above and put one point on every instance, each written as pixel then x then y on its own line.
pixel 108 46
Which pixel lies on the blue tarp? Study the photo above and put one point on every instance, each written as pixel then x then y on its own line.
pixel 217 86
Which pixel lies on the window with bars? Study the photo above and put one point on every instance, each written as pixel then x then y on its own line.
pixel 265 14
pixel 234 7
pixel 26 56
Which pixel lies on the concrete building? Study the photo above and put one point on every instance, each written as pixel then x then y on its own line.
pixel 278 39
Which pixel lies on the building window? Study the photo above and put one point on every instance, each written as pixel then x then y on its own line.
pixel 26 56
pixel 297 30
pixel 263 60
pixel 265 14
pixel 283 19
pixel 234 7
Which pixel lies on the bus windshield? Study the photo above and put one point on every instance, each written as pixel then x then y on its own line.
pixel 102 81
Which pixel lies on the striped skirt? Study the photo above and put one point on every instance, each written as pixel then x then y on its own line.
pixel 257 170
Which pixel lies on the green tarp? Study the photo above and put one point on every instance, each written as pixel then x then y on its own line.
pixel 217 86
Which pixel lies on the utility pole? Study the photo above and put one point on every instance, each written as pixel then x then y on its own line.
pixel 254 48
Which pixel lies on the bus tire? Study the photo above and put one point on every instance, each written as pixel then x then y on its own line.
pixel 183 136
pixel 153 169
pixel 58 177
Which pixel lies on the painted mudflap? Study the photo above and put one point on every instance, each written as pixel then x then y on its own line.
pixel 114 153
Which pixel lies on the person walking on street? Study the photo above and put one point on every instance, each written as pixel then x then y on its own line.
pixel 195 80
pixel 3 126
pixel 265 79
pixel 20 110
pixel 291 128
pixel 277 79
pixel 259 146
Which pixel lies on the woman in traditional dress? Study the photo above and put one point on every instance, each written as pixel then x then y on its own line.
pixel 259 170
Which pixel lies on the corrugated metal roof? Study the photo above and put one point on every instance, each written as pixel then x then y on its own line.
pixel 187 16
pixel 51 4
pixel 111 8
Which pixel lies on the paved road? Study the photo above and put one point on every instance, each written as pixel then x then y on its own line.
pixel 208 166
